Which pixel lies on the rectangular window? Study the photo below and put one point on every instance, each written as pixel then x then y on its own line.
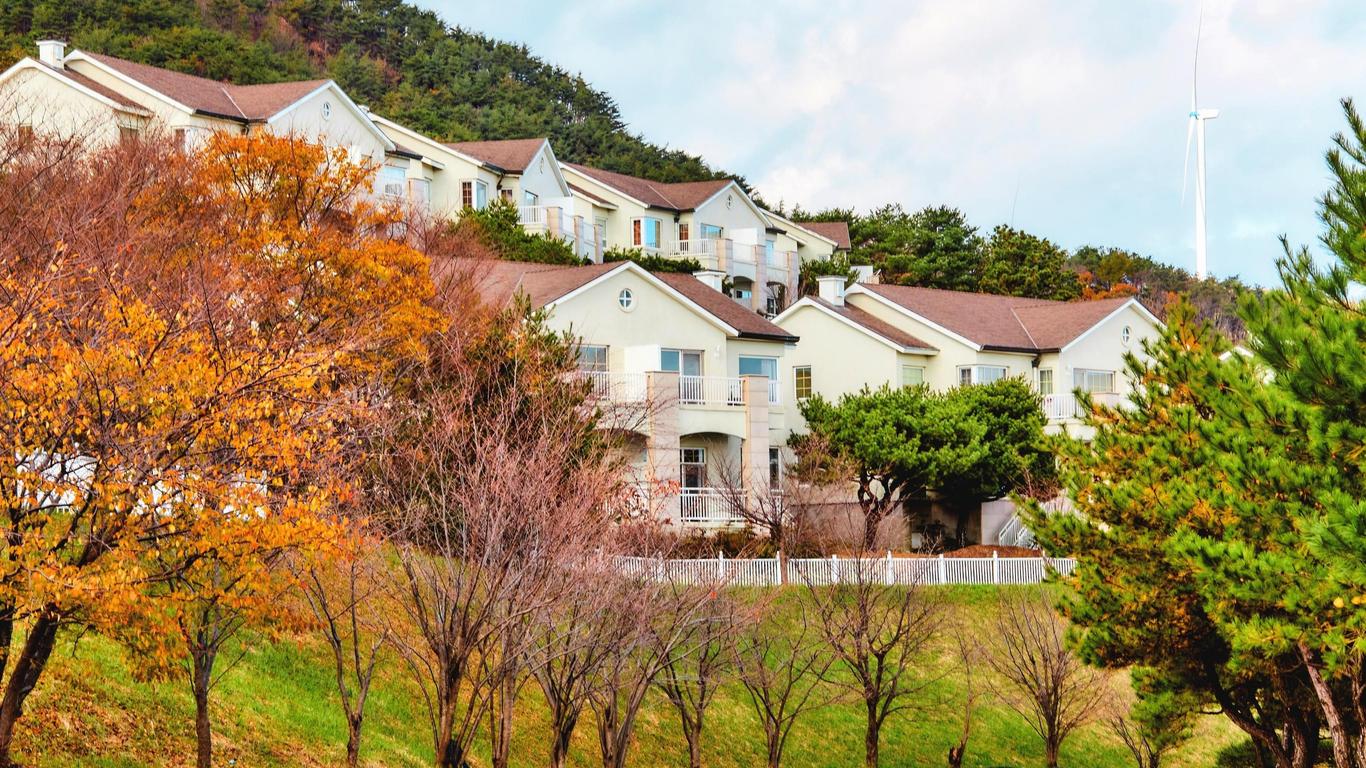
pixel 1093 381
pixel 801 381
pixel 127 134
pixel 775 468
pixel 419 191
pixel 710 231
pixel 1045 381
pixel 981 374
pixel 759 366
pixel 481 195
pixel 769 252
pixel 392 181
pixel 683 232
pixel 693 465
pixel 645 233
pixel 601 224
pixel 681 361
pixel 912 375
pixel 529 198
pixel 506 194
pixel 466 194
pixel 592 357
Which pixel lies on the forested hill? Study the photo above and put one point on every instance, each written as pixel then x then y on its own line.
pixel 404 62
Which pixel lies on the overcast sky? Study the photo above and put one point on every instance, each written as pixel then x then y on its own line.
pixel 1068 118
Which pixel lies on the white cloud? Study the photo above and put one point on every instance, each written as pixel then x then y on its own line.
pixel 1080 107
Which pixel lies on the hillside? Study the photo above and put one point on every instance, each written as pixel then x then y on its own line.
pixel 404 62
pixel 277 707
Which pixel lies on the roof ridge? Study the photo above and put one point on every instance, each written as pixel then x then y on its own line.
pixel 1023 327
pixel 224 88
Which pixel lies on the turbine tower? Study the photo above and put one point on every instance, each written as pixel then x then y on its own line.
pixel 1196 126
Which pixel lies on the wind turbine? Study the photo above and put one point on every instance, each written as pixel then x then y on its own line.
pixel 1196 126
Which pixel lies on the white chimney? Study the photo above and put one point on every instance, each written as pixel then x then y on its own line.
pixel 832 289
pixel 52 53
pixel 711 277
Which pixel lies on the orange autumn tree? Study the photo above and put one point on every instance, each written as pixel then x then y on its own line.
pixel 184 331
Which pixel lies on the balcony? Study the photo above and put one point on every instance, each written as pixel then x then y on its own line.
pixel 704 391
pixel 706 252
pixel 1067 406
pixel 707 507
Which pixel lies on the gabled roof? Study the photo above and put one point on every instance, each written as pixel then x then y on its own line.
pixel 597 200
pixel 678 196
pixel 746 321
pixel 1003 323
pixel 507 155
pixel 837 231
pixel 546 284
pixel 106 92
pixel 246 103
pixel 871 324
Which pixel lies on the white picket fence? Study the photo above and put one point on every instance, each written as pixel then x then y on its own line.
pixel 767 572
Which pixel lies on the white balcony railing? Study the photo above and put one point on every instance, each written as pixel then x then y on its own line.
pixel 710 390
pixel 706 506
pixel 775 392
pixel 692 248
pixel 1065 406
pixel 618 387
pixel 532 216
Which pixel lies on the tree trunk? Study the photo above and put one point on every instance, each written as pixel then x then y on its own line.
pixel 1050 755
pixel 775 750
pixel 1337 730
pixel 353 726
pixel 694 736
pixel 203 728
pixel 42 637
pixel 871 736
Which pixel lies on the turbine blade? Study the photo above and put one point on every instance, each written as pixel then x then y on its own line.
pixel 1186 162
pixel 1195 65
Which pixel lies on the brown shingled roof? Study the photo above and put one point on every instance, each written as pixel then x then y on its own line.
pixel 499 281
pixel 880 327
pixel 511 155
pixel 678 196
pixel 237 102
pixel 746 321
pixel 108 93
pixel 1007 323
pixel 831 230
pixel 595 198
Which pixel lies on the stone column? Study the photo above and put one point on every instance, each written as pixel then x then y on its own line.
pixel 754 451
pixel 662 444
pixel 578 235
pixel 757 299
pixel 552 220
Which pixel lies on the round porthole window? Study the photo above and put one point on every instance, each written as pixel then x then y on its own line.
pixel 626 300
pixel 1124 335
pixel 327 110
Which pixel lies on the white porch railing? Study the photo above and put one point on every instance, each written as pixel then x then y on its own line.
pixel 619 387
pixel 1015 534
pixel 769 572
pixel 532 216
pixel 710 390
pixel 1065 405
pixel 706 506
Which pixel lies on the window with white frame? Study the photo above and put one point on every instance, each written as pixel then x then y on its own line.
pixel 593 357
pixel 709 231
pixel 645 233
pixel 692 463
pixel 1089 380
pixel 601 223
pixel 530 198
pixel 466 194
pixel 775 468
pixel 420 192
pixel 801 381
pixel 981 374
pixel 686 362
pixel 481 195
pixel 1045 381
pixel 392 181
pixel 759 366
pixel 912 375
pixel 770 252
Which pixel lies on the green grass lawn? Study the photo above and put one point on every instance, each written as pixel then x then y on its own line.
pixel 277 707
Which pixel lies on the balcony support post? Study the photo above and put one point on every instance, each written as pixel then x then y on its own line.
pixel 663 471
